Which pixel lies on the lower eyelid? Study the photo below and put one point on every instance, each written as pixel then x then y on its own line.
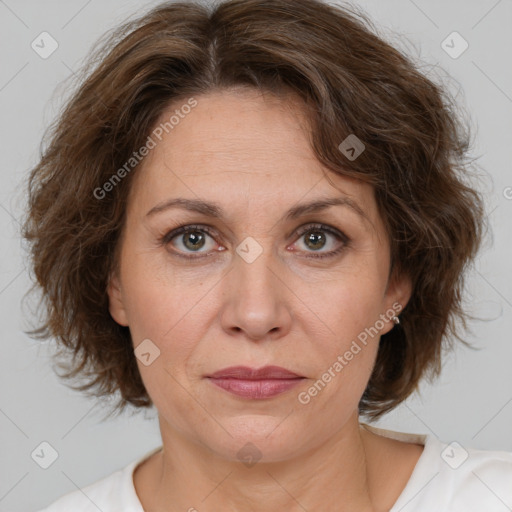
pixel 180 231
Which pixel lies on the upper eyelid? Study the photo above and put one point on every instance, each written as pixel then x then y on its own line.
pixel 344 241
pixel 300 231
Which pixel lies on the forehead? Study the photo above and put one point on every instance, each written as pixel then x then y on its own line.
pixel 240 147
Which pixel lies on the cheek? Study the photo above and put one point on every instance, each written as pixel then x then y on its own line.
pixel 346 355
pixel 158 296
pixel 352 301
pixel 174 322
pixel 172 314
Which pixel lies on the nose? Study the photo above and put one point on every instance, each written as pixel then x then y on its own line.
pixel 256 303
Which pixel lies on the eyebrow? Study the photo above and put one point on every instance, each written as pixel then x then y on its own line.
pixel 212 209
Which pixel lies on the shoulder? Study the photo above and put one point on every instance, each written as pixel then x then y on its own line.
pixel 455 478
pixel 450 477
pixel 110 494
pixel 103 494
pixel 482 481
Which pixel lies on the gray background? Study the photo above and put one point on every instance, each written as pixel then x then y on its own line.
pixel 470 403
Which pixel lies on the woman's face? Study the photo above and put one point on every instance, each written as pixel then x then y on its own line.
pixel 258 280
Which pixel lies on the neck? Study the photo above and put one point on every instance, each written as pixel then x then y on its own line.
pixel 333 476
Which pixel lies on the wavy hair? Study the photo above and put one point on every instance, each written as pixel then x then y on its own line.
pixel 352 82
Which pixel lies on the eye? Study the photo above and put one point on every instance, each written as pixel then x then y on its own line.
pixel 190 239
pixel 315 237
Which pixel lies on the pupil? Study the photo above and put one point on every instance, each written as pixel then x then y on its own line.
pixel 315 238
pixel 199 240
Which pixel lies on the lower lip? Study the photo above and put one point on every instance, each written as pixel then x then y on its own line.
pixel 256 389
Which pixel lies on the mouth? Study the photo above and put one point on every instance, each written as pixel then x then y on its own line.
pixel 255 383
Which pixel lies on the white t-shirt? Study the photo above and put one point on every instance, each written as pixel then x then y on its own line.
pixel 446 478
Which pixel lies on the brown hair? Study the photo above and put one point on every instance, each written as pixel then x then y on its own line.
pixel 354 82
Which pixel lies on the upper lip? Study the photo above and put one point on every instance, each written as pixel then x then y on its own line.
pixel 247 373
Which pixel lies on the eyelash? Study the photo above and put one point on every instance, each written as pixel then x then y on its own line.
pixel 168 237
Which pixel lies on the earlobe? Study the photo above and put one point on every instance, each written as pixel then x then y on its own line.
pixel 402 291
pixel 398 293
pixel 115 300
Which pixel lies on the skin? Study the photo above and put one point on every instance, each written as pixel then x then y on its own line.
pixel 250 153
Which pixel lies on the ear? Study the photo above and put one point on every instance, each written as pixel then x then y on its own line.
pixel 115 300
pixel 398 293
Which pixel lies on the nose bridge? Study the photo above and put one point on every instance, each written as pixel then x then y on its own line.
pixel 255 301
pixel 254 271
pixel 254 264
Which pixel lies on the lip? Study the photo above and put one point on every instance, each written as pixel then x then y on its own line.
pixel 247 373
pixel 255 383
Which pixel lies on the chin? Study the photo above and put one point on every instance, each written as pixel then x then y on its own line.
pixel 259 438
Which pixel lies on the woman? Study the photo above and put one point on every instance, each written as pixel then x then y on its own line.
pixel 254 217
